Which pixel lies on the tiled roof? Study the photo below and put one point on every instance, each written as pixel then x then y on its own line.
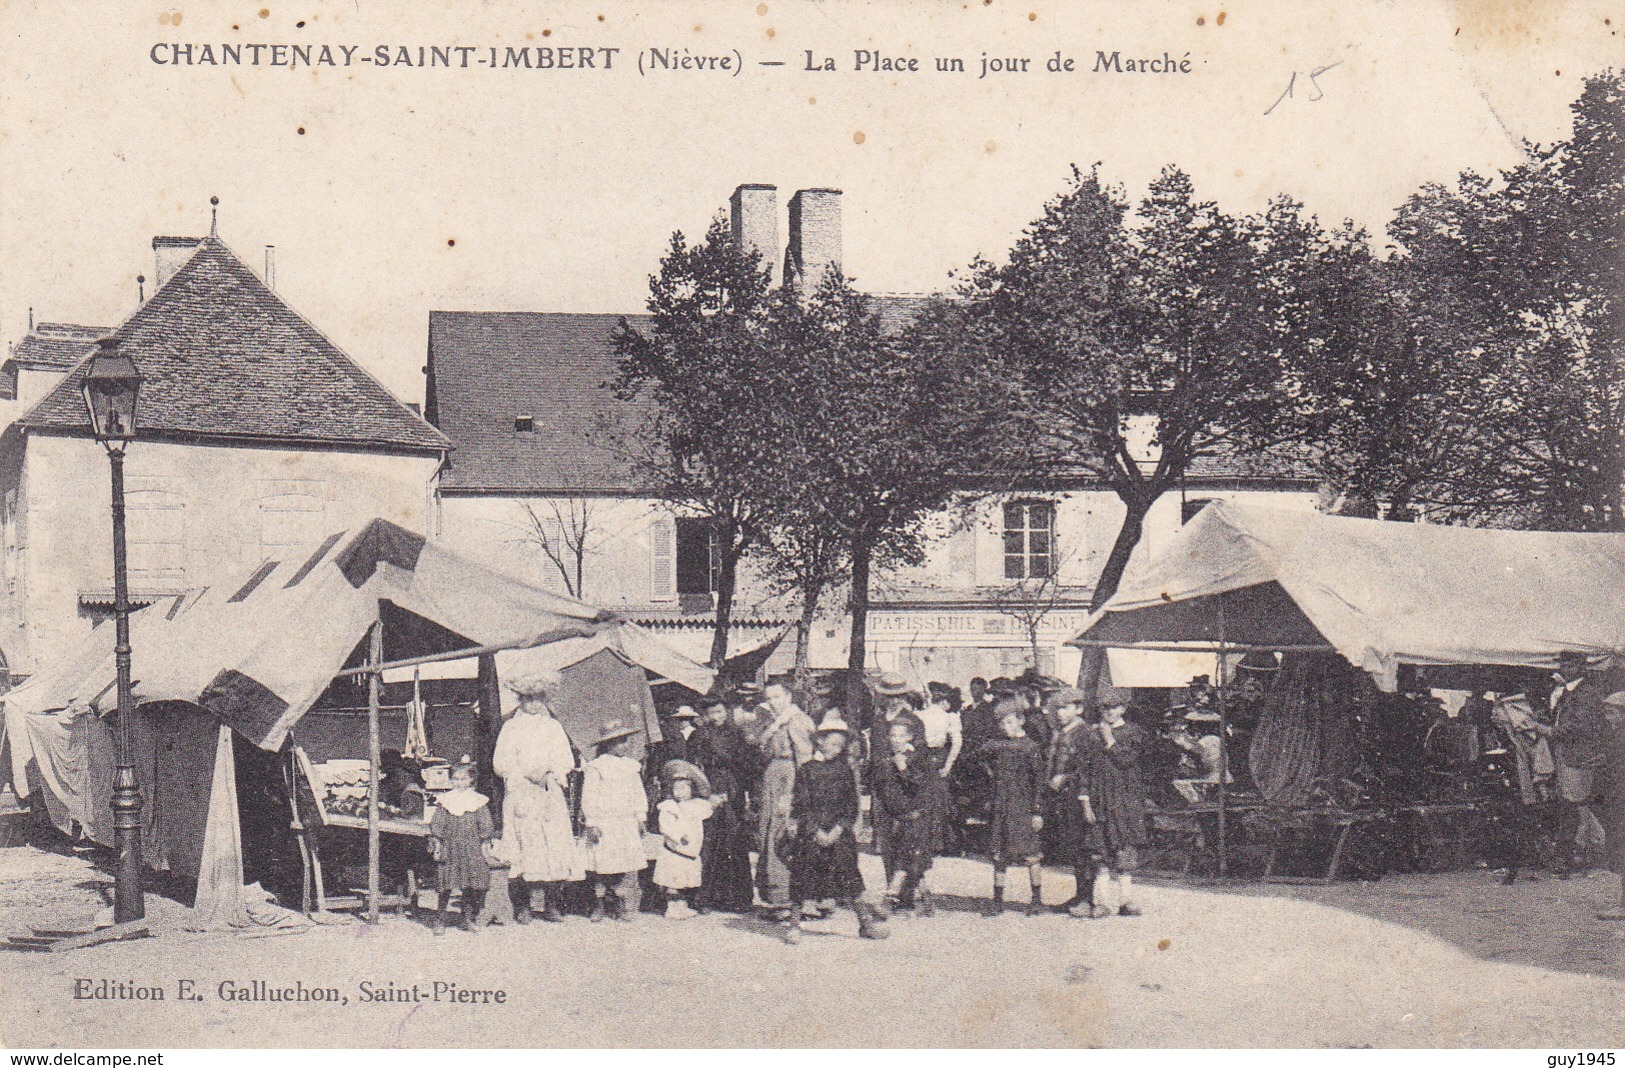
pixel 223 357
pixel 488 369
pixel 56 345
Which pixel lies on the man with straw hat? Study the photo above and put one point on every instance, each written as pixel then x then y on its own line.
pixel 534 759
pixel 614 805
pixel 824 818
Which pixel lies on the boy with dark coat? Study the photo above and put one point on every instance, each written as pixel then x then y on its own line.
pixel 1116 806
pixel 823 857
pixel 1016 764
pixel 1067 767
pixel 903 790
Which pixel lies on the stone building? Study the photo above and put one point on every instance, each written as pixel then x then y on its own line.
pixel 535 485
pixel 257 438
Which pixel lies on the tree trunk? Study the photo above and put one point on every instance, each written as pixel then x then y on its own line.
pixel 1128 536
pixel 804 627
pixel 858 652
pixel 726 575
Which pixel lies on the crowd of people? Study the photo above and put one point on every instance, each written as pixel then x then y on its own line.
pixel 755 805
pixel 753 802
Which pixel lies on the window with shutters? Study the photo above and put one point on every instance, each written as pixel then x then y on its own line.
pixel 293 516
pixel 155 531
pixel 697 557
pixel 663 560
pixel 1029 539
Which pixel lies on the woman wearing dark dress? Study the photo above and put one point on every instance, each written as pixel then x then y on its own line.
pixel 721 751
pixel 461 832
pixel 823 857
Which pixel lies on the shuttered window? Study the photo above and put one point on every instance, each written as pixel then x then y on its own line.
pixel 156 531
pixel 663 560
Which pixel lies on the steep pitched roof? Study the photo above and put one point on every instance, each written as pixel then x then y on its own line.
pixel 56 346
pixel 489 369
pixel 224 357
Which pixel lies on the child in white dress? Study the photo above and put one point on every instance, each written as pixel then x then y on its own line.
pixel 682 829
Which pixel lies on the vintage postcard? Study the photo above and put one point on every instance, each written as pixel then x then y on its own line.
pixel 812 523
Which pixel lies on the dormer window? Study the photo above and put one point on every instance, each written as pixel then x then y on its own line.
pixel 524 424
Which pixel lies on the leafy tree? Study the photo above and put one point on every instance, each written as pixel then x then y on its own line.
pixel 1106 319
pixel 889 427
pixel 1489 381
pixel 703 367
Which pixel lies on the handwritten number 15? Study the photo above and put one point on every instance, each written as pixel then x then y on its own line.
pixel 1293 82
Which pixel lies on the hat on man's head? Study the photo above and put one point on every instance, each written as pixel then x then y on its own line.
pixel 893 685
pixel 1008 705
pixel 749 690
pixel 1259 660
pixel 941 691
pixel 1616 699
pixel 534 684
pixel 614 730
pixel 833 723
pixel 685 712
pixel 1572 657
pixel 1065 695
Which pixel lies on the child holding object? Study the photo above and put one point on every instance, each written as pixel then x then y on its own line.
pixel 461 833
pixel 678 869
pixel 613 807
pixel 1017 766
pixel 823 857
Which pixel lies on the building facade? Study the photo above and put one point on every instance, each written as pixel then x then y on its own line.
pixel 257 438
pixel 538 486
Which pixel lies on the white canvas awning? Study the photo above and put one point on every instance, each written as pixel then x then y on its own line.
pixel 1381 594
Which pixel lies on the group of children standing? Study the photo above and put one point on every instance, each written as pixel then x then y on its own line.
pixel 1086 777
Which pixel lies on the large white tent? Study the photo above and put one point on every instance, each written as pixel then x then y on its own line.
pixel 1381 594
pixel 252 656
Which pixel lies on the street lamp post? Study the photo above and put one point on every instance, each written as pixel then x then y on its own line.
pixel 111 386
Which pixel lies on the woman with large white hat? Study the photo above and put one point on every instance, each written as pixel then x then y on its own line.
pixel 534 759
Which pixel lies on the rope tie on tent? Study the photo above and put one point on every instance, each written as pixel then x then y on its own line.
pixel 417 735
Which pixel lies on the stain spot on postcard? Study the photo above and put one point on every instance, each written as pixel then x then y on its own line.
pixel 991 147
pixel 761 9
pixel 858 138
pixel 265 12
pixel 1220 20
pixel 1165 943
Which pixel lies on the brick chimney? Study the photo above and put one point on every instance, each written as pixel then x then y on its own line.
pixel 169 253
pixel 754 212
pixel 815 238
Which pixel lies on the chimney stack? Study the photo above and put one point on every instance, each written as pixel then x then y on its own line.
pixel 270 267
pixel 169 253
pixel 815 239
pixel 754 212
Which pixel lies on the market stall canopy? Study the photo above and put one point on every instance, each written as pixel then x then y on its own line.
pixel 1381 594
pixel 259 651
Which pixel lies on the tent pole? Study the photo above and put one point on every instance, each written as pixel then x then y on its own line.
pixel 1224 749
pixel 375 657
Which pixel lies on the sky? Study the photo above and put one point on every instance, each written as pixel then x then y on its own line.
pixel 393 191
